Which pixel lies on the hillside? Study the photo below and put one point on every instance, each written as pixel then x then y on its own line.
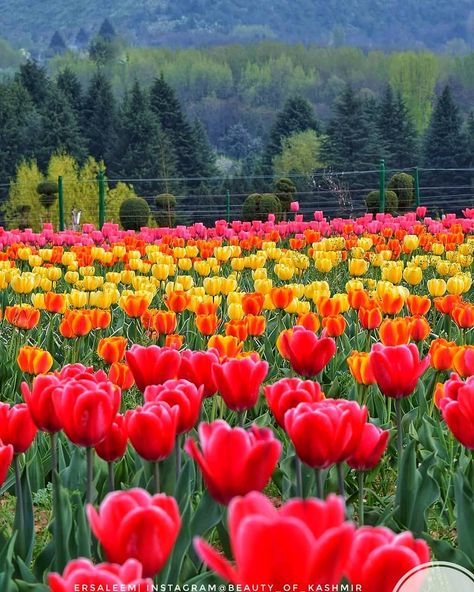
pixel 388 24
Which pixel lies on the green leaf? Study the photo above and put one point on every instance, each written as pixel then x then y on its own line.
pixel 464 497
pixel 24 520
pixel 62 523
pixel 6 554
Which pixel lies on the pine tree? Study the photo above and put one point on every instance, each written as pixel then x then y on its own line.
pixel 205 168
pixel 35 79
pixel 346 146
pixel 296 116
pixel 397 131
pixel 446 147
pixel 99 118
pixel 82 39
pixel 57 44
pixel 107 31
pixel 60 130
pixel 143 150
pixel 166 107
pixel 69 84
pixel 470 138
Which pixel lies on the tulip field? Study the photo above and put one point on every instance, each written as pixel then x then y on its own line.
pixel 285 403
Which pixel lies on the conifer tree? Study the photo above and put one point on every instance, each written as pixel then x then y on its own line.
pixel 69 84
pixel 99 117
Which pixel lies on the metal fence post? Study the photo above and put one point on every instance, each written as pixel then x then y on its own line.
pixel 382 186
pixel 101 184
pixel 61 203
pixel 417 186
pixel 228 205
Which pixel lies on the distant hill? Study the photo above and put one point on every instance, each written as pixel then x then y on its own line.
pixel 388 24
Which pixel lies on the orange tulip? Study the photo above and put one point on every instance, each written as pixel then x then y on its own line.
pixel 329 307
pixel 55 302
pixel 164 322
pixel 134 305
pixel 206 308
pixel 282 341
pixel 24 317
pixel 34 360
pixel 148 318
pixel 357 298
pixel 175 341
pixel 418 305
pixel 310 321
pixel 112 349
pixel 207 324
pixel 281 297
pixel 178 300
pixel 445 304
pixel 438 394
pixel 335 325
pixel 419 328
pixel 237 329
pixel 256 325
pixel 442 354
pixel 463 361
pixel 370 316
pixel 463 315
pixel 75 323
pixel 121 375
pixel 391 303
pixel 227 347
pixel 100 319
pixel 361 370
pixel 395 331
pixel 252 303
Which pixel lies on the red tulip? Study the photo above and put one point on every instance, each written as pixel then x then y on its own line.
pixel 182 393
pixel 17 427
pixel 114 445
pixel 78 371
pixel 379 558
pixel 308 354
pixel 234 461
pixel 152 429
pixel 82 574
pixel 397 368
pixel 288 393
pixel 239 380
pixel 153 364
pixel 372 445
pixel 6 456
pixel 457 407
pixel 325 433
pixel 135 525
pixel 302 542
pixel 196 366
pixel 40 402
pixel 86 408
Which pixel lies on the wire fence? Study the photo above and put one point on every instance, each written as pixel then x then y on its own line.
pixel 205 200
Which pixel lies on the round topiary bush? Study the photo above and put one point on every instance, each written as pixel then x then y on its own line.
pixel 48 193
pixel 285 190
pixel 402 184
pixel 165 214
pixel 257 206
pixel 134 213
pixel 372 202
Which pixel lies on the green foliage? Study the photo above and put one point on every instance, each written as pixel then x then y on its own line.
pixel 299 154
pixel 285 190
pixel 48 193
pixel 403 185
pixel 134 213
pixel 257 206
pixel 165 214
pixel 372 202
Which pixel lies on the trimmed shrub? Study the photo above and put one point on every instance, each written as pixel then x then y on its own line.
pixel 257 206
pixel 372 202
pixel 285 190
pixel 48 193
pixel 165 214
pixel 134 213
pixel 402 184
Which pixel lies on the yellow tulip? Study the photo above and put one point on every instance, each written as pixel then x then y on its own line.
pixel 358 267
pixel 235 312
pixel 78 299
pixel 455 285
pixel 413 275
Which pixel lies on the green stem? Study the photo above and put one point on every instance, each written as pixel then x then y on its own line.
pixel 177 447
pixel 299 477
pixel 19 493
pixel 360 478
pixel 240 418
pixel 340 479
pixel 110 476
pixel 398 410
pixel 156 476
pixel 318 473
pixel 54 453
pixel 89 473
